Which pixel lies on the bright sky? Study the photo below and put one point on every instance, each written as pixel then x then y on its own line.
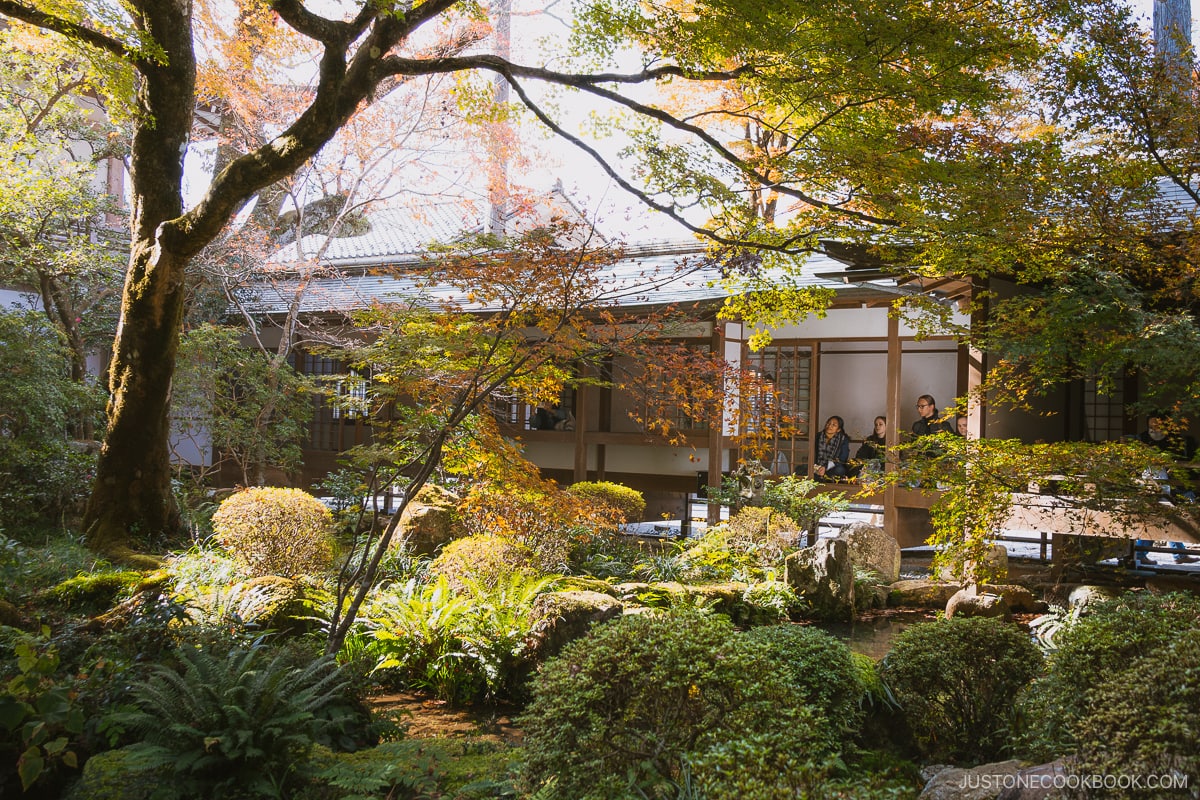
pixel 617 213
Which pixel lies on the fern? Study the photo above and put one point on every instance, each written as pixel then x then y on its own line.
pixel 236 721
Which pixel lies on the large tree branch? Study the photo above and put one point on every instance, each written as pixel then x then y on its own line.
pixel 72 30
pixel 329 32
pixel 669 209
pixel 590 83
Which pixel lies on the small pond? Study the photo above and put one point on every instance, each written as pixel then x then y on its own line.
pixel 871 634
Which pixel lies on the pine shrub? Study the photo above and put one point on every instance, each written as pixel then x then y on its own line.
pixel 1141 720
pixel 956 679
pixel 487 560
pixel 1103 642
pixel 276 531
pixel 819 669
pixel 651 703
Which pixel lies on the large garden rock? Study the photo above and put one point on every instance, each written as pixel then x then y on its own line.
pixel 921 593
pixel 872 548
pixel 1020 599
pixel 984 782
pixel 560 617
pixel 1037 783
pixel 824 575
pixel 10 615
pixel 975 602
pixel 428 521
pixel 115 775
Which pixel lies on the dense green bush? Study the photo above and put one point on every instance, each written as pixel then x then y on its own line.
pixel 275 531
pixel 646 704
pixel 41 722
pixel 43 475
pixel 819 669
pixel 628 501
pixel 1101 643
pixel 956 680
pixel 481 559
pixel 235 722
pixel 1142 721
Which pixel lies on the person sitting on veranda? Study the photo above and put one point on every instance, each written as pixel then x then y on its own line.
pixel 542 419
pixel 833 451
pixel 869 457
pixel 929 421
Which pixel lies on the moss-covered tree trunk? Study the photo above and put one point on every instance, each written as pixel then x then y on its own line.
pixel 131 497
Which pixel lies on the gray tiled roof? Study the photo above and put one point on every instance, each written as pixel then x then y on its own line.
pixel 395 234
pixel 385 265
pixel 661 274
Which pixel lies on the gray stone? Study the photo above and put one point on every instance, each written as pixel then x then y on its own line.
pixel 984 782
pixel 921 593
pixel 974 602
pixel 872 548
pixel 1020 599
pixel 1085 596
pixel 1037 783
pixel 560 617
pixel 428 521
pixel 824 575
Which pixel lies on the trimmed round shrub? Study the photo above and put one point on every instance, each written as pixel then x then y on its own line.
pixel 1142 721
pixel 1105 641
pixel 956 679
pixel 275 531
pixel 482 560
pixel 628 501
pixel 648 703
pixel 820 670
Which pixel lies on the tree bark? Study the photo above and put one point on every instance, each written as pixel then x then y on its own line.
pixel 131 499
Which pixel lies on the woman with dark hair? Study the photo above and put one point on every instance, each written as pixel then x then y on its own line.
pixel 833 451
pixel 870 453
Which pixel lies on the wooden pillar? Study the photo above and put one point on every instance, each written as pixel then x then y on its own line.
pixel 604 415
pixel 716 432
pixel 891 514
pixel 582 411
pixel 972 369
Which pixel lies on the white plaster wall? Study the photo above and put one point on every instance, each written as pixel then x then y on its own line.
pixel 854 386
pixel 622 458
pixel 655 460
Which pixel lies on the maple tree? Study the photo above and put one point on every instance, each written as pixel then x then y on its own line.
pixel 500 320
pixel 855 73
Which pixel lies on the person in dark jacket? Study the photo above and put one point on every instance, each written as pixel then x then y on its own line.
pixel 929 422
pixel 870 453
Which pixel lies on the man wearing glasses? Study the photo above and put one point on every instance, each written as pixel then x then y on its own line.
pixel 929 423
